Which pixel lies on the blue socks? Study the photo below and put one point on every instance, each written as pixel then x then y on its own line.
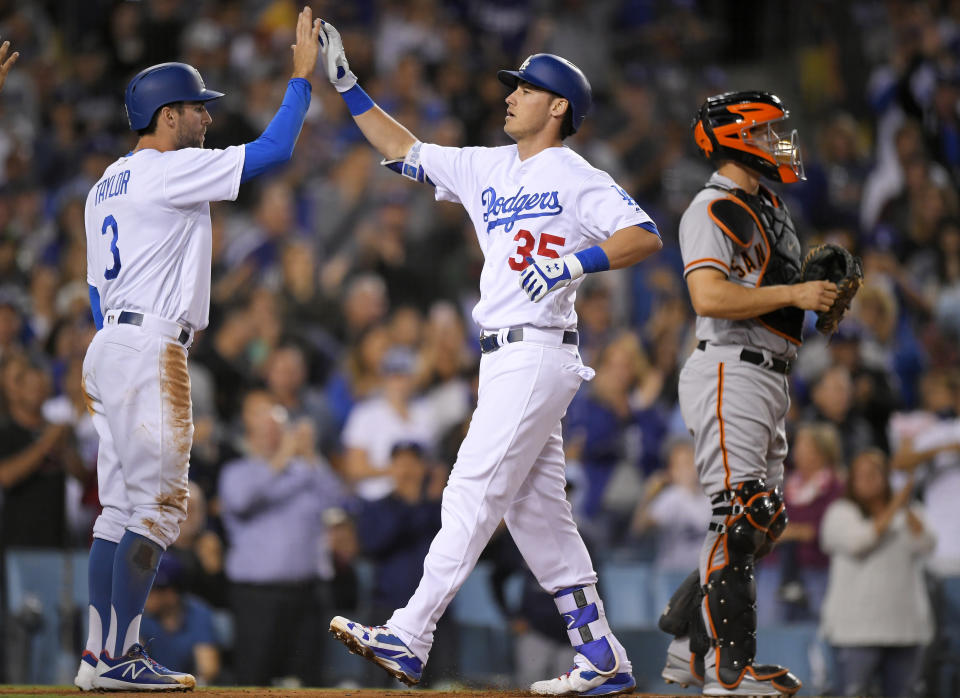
pixel 100 582
pixel 134 569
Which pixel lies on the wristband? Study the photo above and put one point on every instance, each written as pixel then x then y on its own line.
pixel 357 100
pixel 593 259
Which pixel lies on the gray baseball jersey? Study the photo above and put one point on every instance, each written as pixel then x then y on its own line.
pixel 707 241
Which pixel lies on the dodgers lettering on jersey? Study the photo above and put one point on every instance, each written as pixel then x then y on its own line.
pixel 548 205
pixel 520 206
pixel 147 219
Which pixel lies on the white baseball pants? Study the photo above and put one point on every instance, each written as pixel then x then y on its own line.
pixel 138 393
pixel 510 466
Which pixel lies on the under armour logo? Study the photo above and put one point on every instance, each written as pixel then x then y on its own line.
pixel 572 619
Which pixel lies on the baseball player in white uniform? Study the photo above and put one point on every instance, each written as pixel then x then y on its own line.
pixel 148 267
pixel 543 218
pixel 741 260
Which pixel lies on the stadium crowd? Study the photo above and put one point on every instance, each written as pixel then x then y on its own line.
pixel 337 376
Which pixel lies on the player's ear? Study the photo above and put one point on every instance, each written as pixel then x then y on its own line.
pixel 560 106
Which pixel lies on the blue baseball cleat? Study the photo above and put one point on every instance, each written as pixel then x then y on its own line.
pixel 380 646
pixel 582 681
pixel 136 671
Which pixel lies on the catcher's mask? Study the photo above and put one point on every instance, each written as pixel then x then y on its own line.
pixel 738 126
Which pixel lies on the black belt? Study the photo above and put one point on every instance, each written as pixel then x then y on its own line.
pixel 755 357
pixel 127 317
pixel 491 342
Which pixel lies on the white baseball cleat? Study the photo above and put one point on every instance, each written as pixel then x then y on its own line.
pixel 87 671
pixel 584 681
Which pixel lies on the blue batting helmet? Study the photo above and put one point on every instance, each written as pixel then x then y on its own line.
pixel 162 84
pixel 558 75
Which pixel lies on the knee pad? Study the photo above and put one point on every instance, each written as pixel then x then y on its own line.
pixel 753 517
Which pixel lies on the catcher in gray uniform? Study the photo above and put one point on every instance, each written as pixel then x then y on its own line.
pixel 742 262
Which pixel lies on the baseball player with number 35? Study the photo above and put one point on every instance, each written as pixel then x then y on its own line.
pixel 543 217
pixel 148 266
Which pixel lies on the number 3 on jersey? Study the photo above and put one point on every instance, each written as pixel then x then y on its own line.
pixel 110 223
pixel 526 240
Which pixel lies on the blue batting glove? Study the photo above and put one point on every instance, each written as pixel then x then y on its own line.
pixel 546 274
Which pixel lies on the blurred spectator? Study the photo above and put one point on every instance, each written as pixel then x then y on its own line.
pixel 376 424
pixel 358 376
pixel 82 500
pixel 395 532
pixel 37 452
pixel 222 350
pixel 10 324
pixel 876 614
pixel 810 487
pixel 272 502
pixel 178 627
pixel 345 585
pixel 601 424
pixel 831 194
pixel 285 372
pixel 675 509
pixel 199 553
pixel 445 367
pixel 926 443
pixel 832 403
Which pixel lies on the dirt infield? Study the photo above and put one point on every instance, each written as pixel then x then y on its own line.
pixel 228 692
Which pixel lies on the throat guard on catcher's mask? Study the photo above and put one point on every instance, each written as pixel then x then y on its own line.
pixel 739 126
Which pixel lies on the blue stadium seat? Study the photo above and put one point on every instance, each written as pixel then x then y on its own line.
pixel 664 583
pixel 626 593
pixel 793 645
pixel 474 604
pixel 486 646
pixel 54 583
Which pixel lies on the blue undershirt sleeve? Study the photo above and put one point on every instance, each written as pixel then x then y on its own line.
pixel 275 144
pixel 95 307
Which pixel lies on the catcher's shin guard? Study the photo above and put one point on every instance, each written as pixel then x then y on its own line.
pixel 746 521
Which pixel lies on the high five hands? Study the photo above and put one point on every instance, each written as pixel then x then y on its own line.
pixel 307 48
pixel 6 63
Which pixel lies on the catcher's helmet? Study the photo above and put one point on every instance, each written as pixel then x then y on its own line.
pixel 726 129
pixel 162 84
pixel 558 75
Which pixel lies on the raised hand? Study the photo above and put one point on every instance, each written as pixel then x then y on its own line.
pixel 307 48
pixel 335 58
pixel 6 63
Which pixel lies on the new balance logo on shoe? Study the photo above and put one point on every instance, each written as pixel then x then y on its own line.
pixel 133 672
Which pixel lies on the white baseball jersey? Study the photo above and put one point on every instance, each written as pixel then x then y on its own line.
pixel 548 205
pixel 148 230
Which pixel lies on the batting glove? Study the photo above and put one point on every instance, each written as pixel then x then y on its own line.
pixel 335 58
pixel 544 275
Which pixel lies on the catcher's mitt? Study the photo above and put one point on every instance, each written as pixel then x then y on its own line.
pixel 829 262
